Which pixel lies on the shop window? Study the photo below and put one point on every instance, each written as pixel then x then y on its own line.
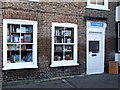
pixel 19 44
pixel 64 44
pixel 97 4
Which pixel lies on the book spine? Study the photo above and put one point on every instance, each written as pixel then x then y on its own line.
pixel 11 38
pixel 10 28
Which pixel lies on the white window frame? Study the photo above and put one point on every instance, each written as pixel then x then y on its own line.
pixel 96 6
pixel 64 62
pixel 118 37
pixel 21 65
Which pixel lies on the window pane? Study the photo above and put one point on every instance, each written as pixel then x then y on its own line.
pixel 13 53
pixel 93 1
pixel 12 33
pixel 68 52
pixel 100 2
pixel 69 35
pixel 58 53
pixel 26 33
pixel 94 46
pixel 59 35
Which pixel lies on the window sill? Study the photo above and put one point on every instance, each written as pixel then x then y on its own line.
pixel 19 66
pixel 63 63
pixel 97 8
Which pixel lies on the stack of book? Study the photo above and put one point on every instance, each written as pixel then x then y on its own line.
pixel 27 57
pixel 15 58
pixel 27 38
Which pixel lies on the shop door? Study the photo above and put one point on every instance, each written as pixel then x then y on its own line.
pixel 95 59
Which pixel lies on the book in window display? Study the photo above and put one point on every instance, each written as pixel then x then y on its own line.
pixel 23 29
pixel 13 47
pixel 57 58
pixel 68 40
pixel 23 47
pixel 58 53
pixel 8 57
pixel 18 30
pixel 64 44
pixel 14 59
pixel 30 28
pixel 67 57
pixel 59 33
pixel 68 33
pixel 19 44
pixel 16 47
pixel 9 47
pixel 27 29
pixel 27 38
pixel 22 39
pixel 68 48
pixel 61 52
pixel 9 28
pixel 16 38
pixel 58 48
pixel 27 57
pixel 8 38
pixel 14 28
pixel 14 56
pixel 28 47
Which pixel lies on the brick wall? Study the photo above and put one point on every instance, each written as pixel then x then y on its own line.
pixel 0 45
pixel 46 13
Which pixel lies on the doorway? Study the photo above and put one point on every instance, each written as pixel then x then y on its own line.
pixel 95 47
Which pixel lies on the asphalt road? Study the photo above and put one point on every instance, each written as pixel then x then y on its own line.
pixel 86 81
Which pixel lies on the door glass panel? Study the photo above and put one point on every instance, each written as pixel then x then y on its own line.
pixel 94 46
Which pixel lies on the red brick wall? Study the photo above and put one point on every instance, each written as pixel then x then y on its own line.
pixel 45 14
pixel 1 44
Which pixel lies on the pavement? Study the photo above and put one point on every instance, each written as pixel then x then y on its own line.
pixel 79 81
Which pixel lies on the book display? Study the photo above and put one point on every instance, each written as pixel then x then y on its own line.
pixel 64 37
pixel 19 44
pixel 16 37
pixel 64 44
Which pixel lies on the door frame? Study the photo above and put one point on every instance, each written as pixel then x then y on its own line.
pixel 95 27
